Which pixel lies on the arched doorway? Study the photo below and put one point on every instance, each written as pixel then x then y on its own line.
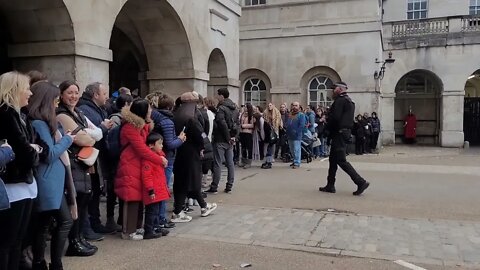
pixel 5 62
pixel 419 91
pixel 471 116
pixel 217 69
pixel 34 34
pixel 127 60
pixel 149 36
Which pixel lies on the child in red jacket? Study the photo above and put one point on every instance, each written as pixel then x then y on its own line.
pixel 155 187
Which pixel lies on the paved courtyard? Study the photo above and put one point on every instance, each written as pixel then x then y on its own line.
pixel 422 208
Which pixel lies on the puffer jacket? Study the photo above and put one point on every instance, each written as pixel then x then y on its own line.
pixel 133 136
pixel 154 182
pixel 164 125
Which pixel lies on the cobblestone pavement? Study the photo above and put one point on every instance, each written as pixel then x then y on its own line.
pixel 438 242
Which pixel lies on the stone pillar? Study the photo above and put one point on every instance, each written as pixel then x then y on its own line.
pixel 175 82
pixel 452 121
pixel 63 60
pixel 387 118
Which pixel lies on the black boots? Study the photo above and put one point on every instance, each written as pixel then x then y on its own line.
pixel 361 188
pixel 266 165
pixel 327 188
pixel 77 248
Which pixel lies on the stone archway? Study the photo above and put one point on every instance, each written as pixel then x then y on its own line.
pixel 39 36
pixel 150 34
pixel 419 91
pixel 217 69
pixel 471 115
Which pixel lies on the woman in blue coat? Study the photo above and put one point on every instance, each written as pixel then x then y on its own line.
pixel 50 174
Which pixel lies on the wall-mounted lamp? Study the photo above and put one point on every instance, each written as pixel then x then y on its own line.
pixel 378 75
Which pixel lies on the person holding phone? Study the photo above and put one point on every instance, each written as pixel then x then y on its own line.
pixel 18 176
pixel 86 134
pixel 50 175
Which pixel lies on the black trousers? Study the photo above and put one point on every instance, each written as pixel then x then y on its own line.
pixel 338 158
pixel 374 141
pixel 151 215
pixel 359 145
pixel 94 204
pixel 82 207
pixel 181 196
pixel 111 198
pixel 64 222
pixel 246 139
pixel 13 227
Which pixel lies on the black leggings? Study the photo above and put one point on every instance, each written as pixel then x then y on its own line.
pixel 82 207
pixel 13 227
pixel 246 139
pixel 64 222
pixel 181 196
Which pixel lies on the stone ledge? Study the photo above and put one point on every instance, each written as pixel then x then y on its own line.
pixel 59 48
pixel 166 74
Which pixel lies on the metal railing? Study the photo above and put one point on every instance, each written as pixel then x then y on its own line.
pixel 420 27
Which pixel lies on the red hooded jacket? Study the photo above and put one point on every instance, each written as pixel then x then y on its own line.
pixel 153 175
pixel 133 136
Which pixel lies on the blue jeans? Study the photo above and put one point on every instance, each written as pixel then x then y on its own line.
pixel 151 213
pixel 223 152
pixel 270 151
pixel 296 151
pixel 162 213
pixel 323 147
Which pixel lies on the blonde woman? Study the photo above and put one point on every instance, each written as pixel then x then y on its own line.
pixel 273 123
pixel 18 175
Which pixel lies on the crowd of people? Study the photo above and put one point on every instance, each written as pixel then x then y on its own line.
pixel 61 149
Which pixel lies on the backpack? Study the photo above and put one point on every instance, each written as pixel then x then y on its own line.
pixel 114 147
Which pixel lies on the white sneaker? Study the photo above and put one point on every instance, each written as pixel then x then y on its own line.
pixel 133 236
pixel 181 218
pixel 140 231
pixel 209 209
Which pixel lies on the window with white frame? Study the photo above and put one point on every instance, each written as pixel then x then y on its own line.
pixel 417 9
pixel 474 7
pixel 255 2
pixel 320 90
pixel 255 92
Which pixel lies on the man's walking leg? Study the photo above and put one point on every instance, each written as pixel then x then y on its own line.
pixel 332 171
pixel 356 178
pixel 217 171
pixel 230 167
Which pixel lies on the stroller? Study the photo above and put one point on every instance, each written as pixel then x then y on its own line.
pixel 306 148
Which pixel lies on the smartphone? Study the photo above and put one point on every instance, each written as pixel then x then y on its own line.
pixel 3 141
pixel 183 130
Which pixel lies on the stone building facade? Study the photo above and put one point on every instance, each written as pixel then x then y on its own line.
pixel 295 49
pixel 168 45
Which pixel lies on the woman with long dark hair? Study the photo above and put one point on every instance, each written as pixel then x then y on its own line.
pixel 247 126
pixel 18 176
pixel 187 168
pixel 86 134
pixel 128 181
pixel 50 175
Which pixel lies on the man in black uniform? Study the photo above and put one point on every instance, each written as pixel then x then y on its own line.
pixel 339 126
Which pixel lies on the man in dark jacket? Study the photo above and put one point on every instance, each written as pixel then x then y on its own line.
pixel 340 123
pixel 225 129
pixel 92 105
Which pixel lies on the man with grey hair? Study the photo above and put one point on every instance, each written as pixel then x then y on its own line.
pixel 92 105
pixel 339 126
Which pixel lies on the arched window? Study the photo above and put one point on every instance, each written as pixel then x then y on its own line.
pixel 255 92
pixel 320 91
